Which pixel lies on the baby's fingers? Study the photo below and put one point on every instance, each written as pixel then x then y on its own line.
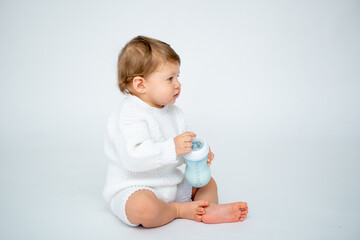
pixel 187 144
pixel 189 134
pixel 210 157
pixel 209 160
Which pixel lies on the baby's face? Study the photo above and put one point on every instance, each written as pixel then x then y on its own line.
pixel 163 86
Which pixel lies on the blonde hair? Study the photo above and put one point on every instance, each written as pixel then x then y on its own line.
pixel 141 57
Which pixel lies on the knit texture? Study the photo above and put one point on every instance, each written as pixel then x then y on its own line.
pixel 140 146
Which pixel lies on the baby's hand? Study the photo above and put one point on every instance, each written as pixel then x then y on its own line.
pixel 210 157
pixel 183 143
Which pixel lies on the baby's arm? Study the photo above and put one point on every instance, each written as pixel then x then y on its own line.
pixel 142 153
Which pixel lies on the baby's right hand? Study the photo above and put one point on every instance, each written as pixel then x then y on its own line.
pixel 183 143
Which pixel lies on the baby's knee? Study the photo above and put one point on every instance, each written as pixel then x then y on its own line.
pixel 213 183
pixel 150 215
pixel 149 209
pixel 141 207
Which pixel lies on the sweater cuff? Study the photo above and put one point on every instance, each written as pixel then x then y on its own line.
pixel 169 151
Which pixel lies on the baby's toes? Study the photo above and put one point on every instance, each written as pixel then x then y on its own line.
pixel 242 205
pixel 243 216
pixel 198 218
pixel 200 210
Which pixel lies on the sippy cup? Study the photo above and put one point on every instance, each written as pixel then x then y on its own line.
pixel 197 171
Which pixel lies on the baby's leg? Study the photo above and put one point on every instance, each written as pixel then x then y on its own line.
pixel 208 192
pixel 144 208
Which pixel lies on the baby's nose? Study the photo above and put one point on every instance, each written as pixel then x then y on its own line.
pixel 177 84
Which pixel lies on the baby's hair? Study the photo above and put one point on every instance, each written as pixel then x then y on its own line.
pixel 141 57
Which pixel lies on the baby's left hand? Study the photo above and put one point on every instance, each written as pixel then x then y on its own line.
pixel 210 157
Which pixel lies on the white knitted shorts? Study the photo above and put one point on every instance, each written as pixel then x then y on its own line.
pixel 177 193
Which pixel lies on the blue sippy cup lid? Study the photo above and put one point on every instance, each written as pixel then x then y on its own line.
pixel 199 150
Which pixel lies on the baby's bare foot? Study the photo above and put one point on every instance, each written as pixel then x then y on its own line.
pixel 192 210
pixel 225 213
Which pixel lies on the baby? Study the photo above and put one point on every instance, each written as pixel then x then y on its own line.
pixel 146 140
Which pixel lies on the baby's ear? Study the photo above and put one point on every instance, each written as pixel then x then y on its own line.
pixel 138 84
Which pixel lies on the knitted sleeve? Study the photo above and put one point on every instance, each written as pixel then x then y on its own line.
pixel 140 153
pixel 131 143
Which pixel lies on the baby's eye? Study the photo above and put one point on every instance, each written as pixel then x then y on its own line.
pixel 170 78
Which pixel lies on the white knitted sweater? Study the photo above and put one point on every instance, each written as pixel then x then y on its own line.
pixel 140 145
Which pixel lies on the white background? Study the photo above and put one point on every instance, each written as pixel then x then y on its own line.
pixel 272 86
